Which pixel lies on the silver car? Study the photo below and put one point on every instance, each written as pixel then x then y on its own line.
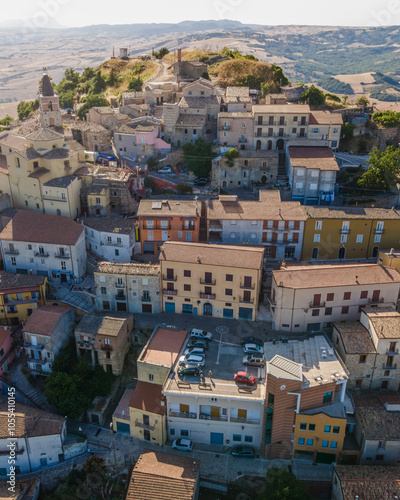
pixel 195 350
pixel 192 359
pixel 253 360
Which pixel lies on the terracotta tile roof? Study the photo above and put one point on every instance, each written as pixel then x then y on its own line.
pixel 325 118
pixel 44 319
pixel 312 157
pixel 284 109
pixel 13 141
pixel 243 257
pixel 10 281
pixel 169 208
pixel 131 269
pixel 198 102
pixel 102 324
pixel 30 421
pixel 348 213
pixel 385 324
pixel 117 225
pixel 269 207
pixel 163 347
pixel 369 482
pixel 122 410
pixel 335 275
pixel 148 397
pixel 163 476
pixel 355 337
pixel 378 423
pixel 34 227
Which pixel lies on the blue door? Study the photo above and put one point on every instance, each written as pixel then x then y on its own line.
pixel 194 311
pixel 216 438
pixel 170 307
pixel 228 313
pixel 245 313
pixel 124 428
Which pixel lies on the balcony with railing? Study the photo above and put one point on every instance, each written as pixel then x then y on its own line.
pixel 42 254
pixel 188 227
pixel 207 296
pixel 85 345
pixel 215 225
pixel 207 281
pixel 168 277
pixel 249 286
pixel 120 296
pixel 170 292
pixel 146 298
pixel 220 418
pixel 317 305
pixel 245 420
pixel 345 230
pixel 224 127
pixel 389 367
pixel 64 255
pixel 119 285
pixel 379 230
pixel 242 140
pixel 11 251
pixel 147 427
pixel 36 347
pixel 112 243
pixel 182 414
pixel 379 300
pixel 246 300
pixel 106 347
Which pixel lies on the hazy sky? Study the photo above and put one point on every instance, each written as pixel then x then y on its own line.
pixel 268 12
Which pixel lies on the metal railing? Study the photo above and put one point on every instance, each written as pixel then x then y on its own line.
pixel 207 296
pixel 169 278
pixel 204 281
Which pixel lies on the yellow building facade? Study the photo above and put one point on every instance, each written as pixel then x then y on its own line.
pixel 348 233
pixel 318 436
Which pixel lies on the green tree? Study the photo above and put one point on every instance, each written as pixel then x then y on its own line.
pixel 231 154
pixel 383 171
pixel 387 119
pixel 6 121
pixel 362 101
pixel 348 131
pixel 282 485
pixel 332 97
pixel 184 188
pixel 69 82
pixel 25 109
pixel 98 85
pixel 199 156
pixel 314 97
pixel 87 74
pixel 62 391
pixel 91 101
pixel 136 84
pixel 265 89
pixel 113 78
pixel 344 100
pixel 161 53
pixel 67 99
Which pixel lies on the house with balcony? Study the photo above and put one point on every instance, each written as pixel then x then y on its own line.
pixel 248 169
pixel 312 298
pixel 207 280
pixel 47 330
pixel 312 174
pixel 111 238
pixel 39 437
pixel 62 196
pixel 168 220
pixel 370 349
pixel 348 232
pixel 276 225
pixel 306 405
pixel 133 288
pixel 140 139
pixel 104 339
pixel 235 129
pixel 20 295
pixel 142 411
pixel 47 245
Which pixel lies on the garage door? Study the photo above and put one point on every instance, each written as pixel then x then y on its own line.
pixel 124 428
pixel 216 438
pixel 325 458
pixel 170 307
pixel 23 271
pixel 187 309
pixel 245 313
pixel 148 247
pixel 228 313
pixel 147 308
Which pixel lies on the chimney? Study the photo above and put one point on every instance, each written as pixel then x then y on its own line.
pixel 391 252
pixel 179 55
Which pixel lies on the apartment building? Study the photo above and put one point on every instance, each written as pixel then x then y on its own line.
pixel 348 232
pixel 48 245
pixel 111 238
pixel 134 288
pixel 235 129
pixel 311 298
pixel 312 174
pixel 47 330
pixel 248 169
pixel 62 196
pixel 202 280
pixel 20 295
pixel 304 380
pixel 104 339
pixel 168 220
pixel 370 349
pixel 276 225
pixel 142 411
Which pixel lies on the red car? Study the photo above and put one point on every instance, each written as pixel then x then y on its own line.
pixel 244 378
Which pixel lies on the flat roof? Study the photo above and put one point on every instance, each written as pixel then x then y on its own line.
pixel 312 361
pixel 320 158
pixel 243 257
pixel 332 275
pixel 160 208
pixel 268 207
pixel 163 347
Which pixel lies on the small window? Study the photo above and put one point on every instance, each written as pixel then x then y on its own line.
pixel 363 358
pixel 325 444
pixel 347 296
pixel 328 311
pixel 318 225
pixel 172 432
pixel 317 238
pixel 103 290
pixel 315 312
pixel 248 439
pixel 184 433
pixel 330 297
pixel 310 442
pixel 364 294
pixel 336 429
pixel 327 428
pixel 237 437
pixel 345 310
pixel 303 426
pixel 359 238
pixel 187 288
pixel 327 397
pixel 333 445
pixel 229 277
pixel 151 377
pixel 187 273
pixel 228 291
pixel 301 441
pixel 311 427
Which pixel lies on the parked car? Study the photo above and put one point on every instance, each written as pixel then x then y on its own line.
pixel 165 170
pixel 192 359
pixel 194 342
pixel 251 340
pixel 243 451
pixel 182 445
pixel 244 378
pixel 195 350
pixel 200 181
pixel 253 360
pixel 200 334
pixel 193 370
pixel 253 348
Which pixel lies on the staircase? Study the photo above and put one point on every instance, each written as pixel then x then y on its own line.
pixel 282 178
pixel 264 313
pixel 15 378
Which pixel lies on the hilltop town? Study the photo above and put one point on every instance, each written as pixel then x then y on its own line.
pixel 200 264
